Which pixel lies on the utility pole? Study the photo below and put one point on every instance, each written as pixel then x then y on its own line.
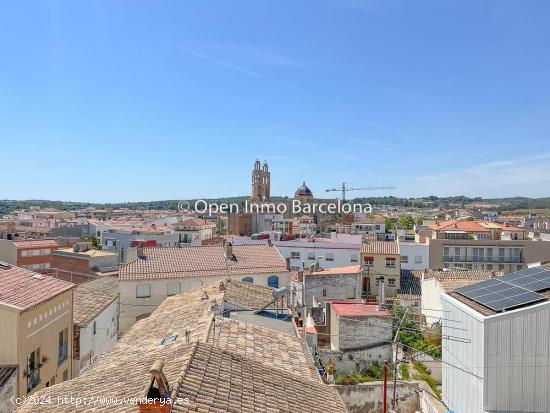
pixel 385 386
pixel 396 349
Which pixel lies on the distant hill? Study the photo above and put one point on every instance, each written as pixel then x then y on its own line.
pixel 500 204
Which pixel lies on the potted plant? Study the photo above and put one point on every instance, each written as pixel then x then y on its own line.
pixel 330 369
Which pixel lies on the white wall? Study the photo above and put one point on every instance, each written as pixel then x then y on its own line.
pixel 132 307
pixel 93 345
pixel 431 300
pixel 509 351
pixel 412 250
pixel 462 391
pixel 342 253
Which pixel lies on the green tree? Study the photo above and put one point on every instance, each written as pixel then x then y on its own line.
pixel 93 239
pixel 406 221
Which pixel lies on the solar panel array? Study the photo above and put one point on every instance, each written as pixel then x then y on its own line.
pixel 510 291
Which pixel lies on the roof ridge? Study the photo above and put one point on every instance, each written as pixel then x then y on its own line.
pixel 179 380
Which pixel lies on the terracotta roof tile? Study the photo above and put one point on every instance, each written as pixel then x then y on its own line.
pixel 92 297
pixel 227 367
pixel 380 247
pixel 455 225
pixel 35 243
pixel 173 262
pixel 25 289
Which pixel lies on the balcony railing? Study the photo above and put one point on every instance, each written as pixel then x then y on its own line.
pixel 490 260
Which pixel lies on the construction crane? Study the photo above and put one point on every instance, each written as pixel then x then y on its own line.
pixel 368 188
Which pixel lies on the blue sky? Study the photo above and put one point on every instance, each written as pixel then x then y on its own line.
pixel 128 101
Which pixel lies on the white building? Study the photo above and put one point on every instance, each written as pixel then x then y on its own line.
pixel 414 256
pixel 330 252
pixel 502 362
pixel 160 272
pixel 194 231
pixel 95 318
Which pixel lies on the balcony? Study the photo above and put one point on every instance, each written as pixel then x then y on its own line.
pixel 489 260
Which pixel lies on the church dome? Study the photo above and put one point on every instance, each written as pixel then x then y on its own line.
pixel 303 191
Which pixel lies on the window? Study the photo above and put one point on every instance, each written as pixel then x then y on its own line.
pixel 273 281
pixel 248 280
pixel 143 290
pixel 294 255
pixel 168 340
pixel 354 258
pixel 350 292
pixel 46 251
pixel 329 256
pixel 405 259
pixel 47 265
pixel 310 255
pixel 390 262
pixel 24 253
pixel 324 293
pixel 33 369
pixel 519 267
pixel 418 259
pixel 95 327
pixel 368 261
pixel 173 288
pixel 35 252
pixel 63 346
pixel 66 375
pixel 391 282
pixel 489 266
pixel 36 266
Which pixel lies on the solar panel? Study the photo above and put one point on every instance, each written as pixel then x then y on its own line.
pixel 499 295
pixel 534 279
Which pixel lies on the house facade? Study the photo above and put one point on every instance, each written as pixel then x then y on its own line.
pixel 36 314
pixel 161 272
pixel 381 260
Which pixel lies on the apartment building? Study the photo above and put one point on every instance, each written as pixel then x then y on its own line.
pixel 194 231
pixel 35 255
pixel 381 260
pixel 329 252
pixel 486 254
pixel 36 326
pixel 414 255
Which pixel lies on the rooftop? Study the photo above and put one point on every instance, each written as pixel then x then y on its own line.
pixel 174 262
pixel 467 226
pixel 88 253
pixel 380 247
pixel 6 372
pixel 348 269
pixel 220 365
pixel 36 243
pixel 92 297
pixel 24 289
pixel 354 309
pixel 248 295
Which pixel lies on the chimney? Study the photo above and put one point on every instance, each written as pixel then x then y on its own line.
pixel 156 392
pixel 300 276
pixel 139 251
pixel 221 286
pixel 381 292
pixel 228 250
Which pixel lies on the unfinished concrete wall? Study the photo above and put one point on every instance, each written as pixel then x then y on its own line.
pixel 367 397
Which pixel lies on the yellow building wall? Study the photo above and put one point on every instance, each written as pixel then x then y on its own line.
pixel 8 335
pixel 39 328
